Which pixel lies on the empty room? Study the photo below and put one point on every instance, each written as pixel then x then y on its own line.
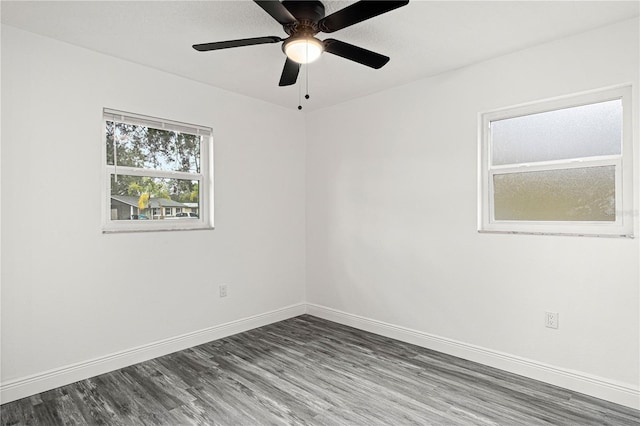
pixel 320 213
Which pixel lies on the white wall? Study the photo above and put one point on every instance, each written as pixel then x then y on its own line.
pixel 72 294
pixel 391 220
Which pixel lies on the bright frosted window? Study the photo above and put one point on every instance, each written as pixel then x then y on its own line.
pixel 562 166
pixel 582 131
pixel 580 194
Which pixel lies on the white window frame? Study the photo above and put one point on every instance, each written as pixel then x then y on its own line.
pixel 205 177
pixel 623 226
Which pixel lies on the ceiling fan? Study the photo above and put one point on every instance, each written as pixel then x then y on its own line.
pixel 302 20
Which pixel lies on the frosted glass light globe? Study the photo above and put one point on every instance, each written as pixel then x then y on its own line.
pixel 303 50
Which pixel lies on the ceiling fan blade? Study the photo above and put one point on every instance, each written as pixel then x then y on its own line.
pixel 357 12
pixel 289 73
pixel 204 47
pixel 277 11
pixel 355 53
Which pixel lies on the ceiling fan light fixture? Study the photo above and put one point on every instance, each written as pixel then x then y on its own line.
pixel 303 50
pixel 301 20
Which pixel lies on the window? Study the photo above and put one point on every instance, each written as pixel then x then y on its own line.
pixel 562 166
pixel 153 167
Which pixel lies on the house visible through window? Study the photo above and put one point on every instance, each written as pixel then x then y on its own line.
pixel 154 169
pixel 561 167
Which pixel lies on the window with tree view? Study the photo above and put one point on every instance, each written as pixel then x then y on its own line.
pixel 158 173
pixel 561 167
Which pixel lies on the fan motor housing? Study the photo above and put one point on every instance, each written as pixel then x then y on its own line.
pixel 305 10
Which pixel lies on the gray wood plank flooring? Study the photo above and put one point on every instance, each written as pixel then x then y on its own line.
pixel 308 371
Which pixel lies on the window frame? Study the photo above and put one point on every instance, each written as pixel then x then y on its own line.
pixel 623 226
pixel 204 177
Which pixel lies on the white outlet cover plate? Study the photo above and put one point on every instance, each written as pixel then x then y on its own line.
pixel 551 319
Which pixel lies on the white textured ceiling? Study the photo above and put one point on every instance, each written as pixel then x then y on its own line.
pixel 423 38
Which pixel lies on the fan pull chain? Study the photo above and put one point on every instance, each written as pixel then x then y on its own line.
pixel 299 95
pixel 306 96
pixel 306 70
pixel 307 73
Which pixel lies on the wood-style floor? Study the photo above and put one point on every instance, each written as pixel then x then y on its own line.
pixel 308 371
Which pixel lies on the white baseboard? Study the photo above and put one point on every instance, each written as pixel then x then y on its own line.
pixel 26 386
pixel 619 393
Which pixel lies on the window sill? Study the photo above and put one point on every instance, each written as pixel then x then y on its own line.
pixel 139 230
pixel 565 234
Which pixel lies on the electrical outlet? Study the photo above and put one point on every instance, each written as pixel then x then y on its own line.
pixel 223 290
pixel 551 319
